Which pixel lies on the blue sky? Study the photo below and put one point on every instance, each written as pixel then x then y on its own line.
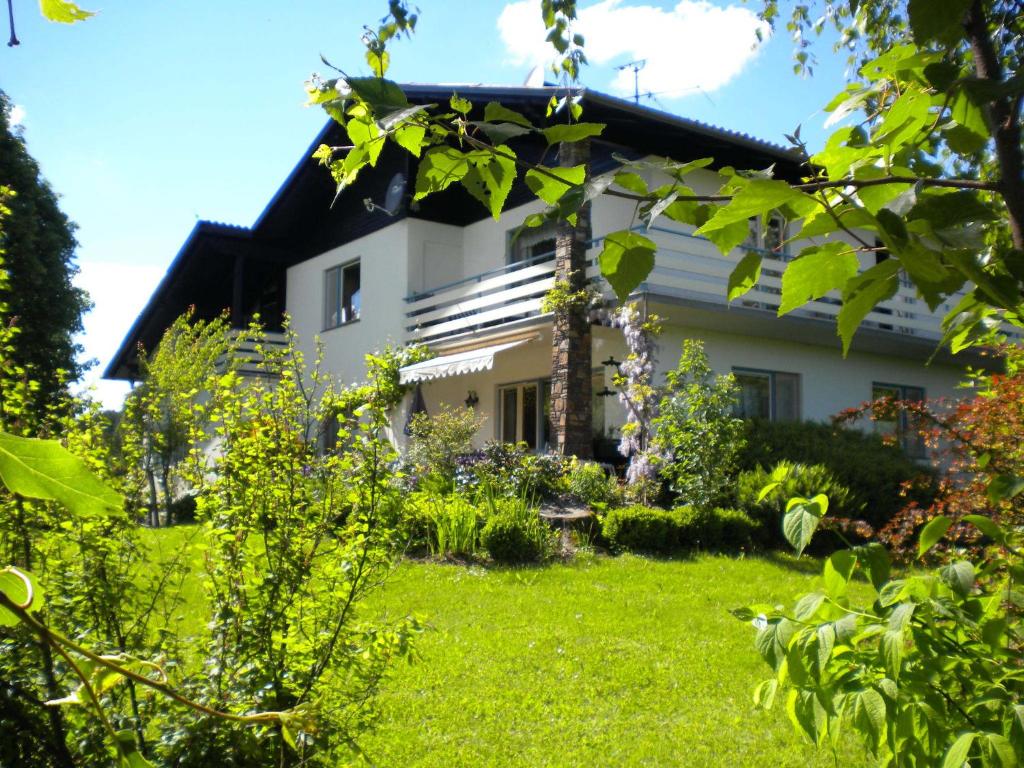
pixel 153 115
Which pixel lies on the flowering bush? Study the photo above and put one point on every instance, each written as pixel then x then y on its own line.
pixel 507 469
pixel 977 445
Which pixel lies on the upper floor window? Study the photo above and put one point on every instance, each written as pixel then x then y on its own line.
pixel 533 245
pixel 768 236
pixel 342 297
pixel 901 426
pixel 773 395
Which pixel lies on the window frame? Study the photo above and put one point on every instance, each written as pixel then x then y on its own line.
pixel 773 406
pixel 910 441
pixel 542 434
pixel 336 274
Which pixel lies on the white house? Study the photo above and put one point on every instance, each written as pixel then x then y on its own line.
pixel 376 268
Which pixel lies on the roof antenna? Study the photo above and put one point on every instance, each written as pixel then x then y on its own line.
pixel 636 66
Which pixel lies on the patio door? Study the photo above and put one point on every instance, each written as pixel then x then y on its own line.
pixel 523 413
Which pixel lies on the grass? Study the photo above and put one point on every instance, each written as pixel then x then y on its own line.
pixel 607 661
pixel 620 661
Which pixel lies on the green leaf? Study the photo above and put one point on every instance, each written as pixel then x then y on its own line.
pixel 932 532
pixel 381 95
pixel 745 275
pixel 861 295
pixel 891 649
pixel 499 133
pixel 944 210
pixel 826 634
pixel 967 132
pixel 20 588
pixel 570 132
pixel 987 526
pixel 757 198
pixel 459 104
pixel 764 694
pixel 816 271
pixel 498 113
pixel 959 577
pixel 807 606
pixel 44 469
pixel 1004 488
pixel 874 560
pixel 632 182
pixel 63 12
pixel 766 490
pixel 490 180
pixel 998 751
pixel 958 753
pixel 626 260
pixel 364 132
pixel 802 519
pixel 440 168
pixel 772 641
pixel 838 571
pixel 939 20
pixel 410 138
pixel 868 715
pixel 551 189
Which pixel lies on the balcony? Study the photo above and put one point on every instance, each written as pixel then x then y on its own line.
pixel 249 355
pixel 688 270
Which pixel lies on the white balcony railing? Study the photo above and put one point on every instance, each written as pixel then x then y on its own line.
pixel 686 267
pixel 249 357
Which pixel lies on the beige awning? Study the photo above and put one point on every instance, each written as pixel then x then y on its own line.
pixel 457 364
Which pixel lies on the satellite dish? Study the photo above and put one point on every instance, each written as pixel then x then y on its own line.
pixel 395 195
pixel 536 77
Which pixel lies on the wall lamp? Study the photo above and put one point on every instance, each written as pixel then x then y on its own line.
pixel 472 399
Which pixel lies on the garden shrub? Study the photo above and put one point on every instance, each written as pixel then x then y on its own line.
pixel 641 529
pixel 511 540
pixel 873 471
pixel 716 529
pixel 736 530
pixel 589 483
pixel 507 469
pixel 696 435
pixel 438 440
pixel 805 480
pixel 514 532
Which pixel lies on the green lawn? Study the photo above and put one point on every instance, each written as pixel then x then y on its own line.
pixel 603 662
pixel 606 661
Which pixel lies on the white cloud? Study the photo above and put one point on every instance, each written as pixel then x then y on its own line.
pixel 695 44
pixel 118 291
pixel 17 115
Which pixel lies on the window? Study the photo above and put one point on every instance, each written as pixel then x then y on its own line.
pixel 524 413
pixel 901 426
pixel 768 236
pixel 342 297
pixel 770 395
pixel 532 246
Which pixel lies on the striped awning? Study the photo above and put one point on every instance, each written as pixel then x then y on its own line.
pixel 457 364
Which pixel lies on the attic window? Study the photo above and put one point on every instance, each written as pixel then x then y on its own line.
pixel 342 295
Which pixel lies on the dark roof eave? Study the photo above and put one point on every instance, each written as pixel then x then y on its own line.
pixel 118 366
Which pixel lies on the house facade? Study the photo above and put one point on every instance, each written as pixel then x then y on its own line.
pixel 376 268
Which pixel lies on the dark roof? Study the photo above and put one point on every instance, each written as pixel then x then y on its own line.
pixel 298 222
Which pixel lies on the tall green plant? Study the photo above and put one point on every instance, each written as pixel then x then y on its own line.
pixel 926 669
pixel 696 433
pixel 299 534
pixel 167 413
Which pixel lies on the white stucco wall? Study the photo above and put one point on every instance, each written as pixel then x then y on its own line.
pixel 383 257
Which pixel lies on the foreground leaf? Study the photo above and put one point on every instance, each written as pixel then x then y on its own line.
pixel 63 11
pixel 626 261
pixel 44 469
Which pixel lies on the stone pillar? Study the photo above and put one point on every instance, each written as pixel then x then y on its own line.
pixel 571 338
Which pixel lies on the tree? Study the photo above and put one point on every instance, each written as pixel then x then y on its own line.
pixel 41 299
pixel 931 174
pixel 166 414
